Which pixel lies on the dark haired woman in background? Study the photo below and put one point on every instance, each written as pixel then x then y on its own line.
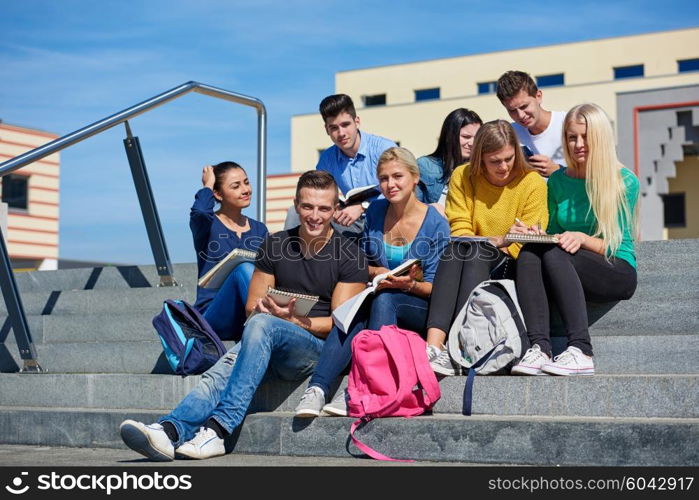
pixel 215 234
pixel 453 149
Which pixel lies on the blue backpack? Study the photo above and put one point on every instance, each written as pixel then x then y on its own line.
pixel 191 346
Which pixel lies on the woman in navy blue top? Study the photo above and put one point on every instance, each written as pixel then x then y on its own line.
pixel 215 234
pixel 397 228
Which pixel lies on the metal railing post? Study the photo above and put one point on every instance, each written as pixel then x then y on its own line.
pixel 148 208
pixel 15 311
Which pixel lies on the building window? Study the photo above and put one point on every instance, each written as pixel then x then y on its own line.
pixel 427 94
pixel 374 100
pixel 15 191
pixel 634 71
pixel 487 87
pixel 550 80
pixel 674 210
pixel 688 65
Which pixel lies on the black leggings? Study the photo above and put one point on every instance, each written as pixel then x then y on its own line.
pixel 548 272
pixel 462 266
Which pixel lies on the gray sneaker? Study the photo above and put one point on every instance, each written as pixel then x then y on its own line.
pixel 440 361
pixel 311 403
pixel 338 406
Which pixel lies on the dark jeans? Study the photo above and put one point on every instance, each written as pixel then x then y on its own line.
pixel 388 307
pixel 461 268
pixel 548 272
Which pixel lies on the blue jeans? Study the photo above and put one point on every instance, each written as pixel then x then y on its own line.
pixel 226 312
pixel 270 347
pixel 388 307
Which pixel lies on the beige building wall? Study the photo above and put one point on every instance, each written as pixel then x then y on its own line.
pixel 32 234
pixel 280 196
pixel 686 181
pixel 588 68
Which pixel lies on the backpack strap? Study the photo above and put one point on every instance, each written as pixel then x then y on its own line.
pixel 425 374
pixel 497 289
pixel 367 449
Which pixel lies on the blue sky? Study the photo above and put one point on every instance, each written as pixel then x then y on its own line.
pixel 67 63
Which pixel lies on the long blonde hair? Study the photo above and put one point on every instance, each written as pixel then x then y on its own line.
pixel 490 138
pixel 604 183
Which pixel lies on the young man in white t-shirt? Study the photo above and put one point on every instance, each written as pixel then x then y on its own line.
pixel 538 129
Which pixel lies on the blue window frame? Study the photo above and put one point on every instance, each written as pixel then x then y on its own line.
pixel 375 100
pixel 634 71
pixel 487 87
pixel 688 65
pixel 550 80
pixel 427 94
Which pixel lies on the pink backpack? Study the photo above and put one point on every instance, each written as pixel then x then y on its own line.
pixel 390 377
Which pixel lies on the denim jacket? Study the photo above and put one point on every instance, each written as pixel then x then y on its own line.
pixel 431 184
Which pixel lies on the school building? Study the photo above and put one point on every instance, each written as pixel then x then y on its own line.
pixel 648 84
pixel 30 195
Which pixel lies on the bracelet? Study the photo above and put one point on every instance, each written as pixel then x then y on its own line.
pixel 410 288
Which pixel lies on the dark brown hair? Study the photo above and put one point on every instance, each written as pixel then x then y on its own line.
pixel 511 82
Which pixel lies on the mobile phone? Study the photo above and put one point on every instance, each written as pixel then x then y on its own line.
pixel 527 152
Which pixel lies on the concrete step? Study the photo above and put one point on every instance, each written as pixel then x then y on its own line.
pixel 527 440
pixel 614 354
pixel 660 287
pixel 653 256
pixel 101 301
pixel 653 396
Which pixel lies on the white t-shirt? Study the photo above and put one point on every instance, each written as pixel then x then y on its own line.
pixel 547 142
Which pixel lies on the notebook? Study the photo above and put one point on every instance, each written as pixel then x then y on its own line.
pixel 215 277
pixel 304 303
pixel 530 238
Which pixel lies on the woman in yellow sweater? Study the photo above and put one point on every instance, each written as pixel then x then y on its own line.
pixel 486 198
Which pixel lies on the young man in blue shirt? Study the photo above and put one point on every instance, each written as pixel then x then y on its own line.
pixel 352 158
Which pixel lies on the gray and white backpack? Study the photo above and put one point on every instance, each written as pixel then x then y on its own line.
pixel 489 334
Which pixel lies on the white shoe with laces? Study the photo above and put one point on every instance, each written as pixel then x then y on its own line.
pixel 572 361
pixel 205 444
pixel 148 440
pixel 311 402
pixel 440 361
pixel 531 362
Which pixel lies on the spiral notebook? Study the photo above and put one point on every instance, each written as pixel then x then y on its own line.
pixel 530 238
pixel 304 303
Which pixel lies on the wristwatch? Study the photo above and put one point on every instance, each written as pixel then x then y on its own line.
pixel 365 205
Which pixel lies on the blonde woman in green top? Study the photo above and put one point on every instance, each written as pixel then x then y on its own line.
pixel 592 206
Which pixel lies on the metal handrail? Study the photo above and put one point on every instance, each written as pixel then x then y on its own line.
pixel 8 284
pixel 120 117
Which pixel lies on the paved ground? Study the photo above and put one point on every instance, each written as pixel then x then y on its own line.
pixel 44 456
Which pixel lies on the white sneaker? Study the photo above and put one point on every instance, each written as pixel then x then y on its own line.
pixel 311 402
pixel 572 361
pixel 148 440
pixel 205 444
pixel 338 406
pixel 440 361
pixel 531 362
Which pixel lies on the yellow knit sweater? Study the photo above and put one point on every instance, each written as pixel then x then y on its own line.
pixel 495 207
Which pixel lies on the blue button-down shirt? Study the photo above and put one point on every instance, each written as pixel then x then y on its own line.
pixel 360 171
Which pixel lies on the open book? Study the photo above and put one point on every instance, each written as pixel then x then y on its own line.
pixel 359 194
pixel 530 238
pixel 345 313
pixel 218 274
